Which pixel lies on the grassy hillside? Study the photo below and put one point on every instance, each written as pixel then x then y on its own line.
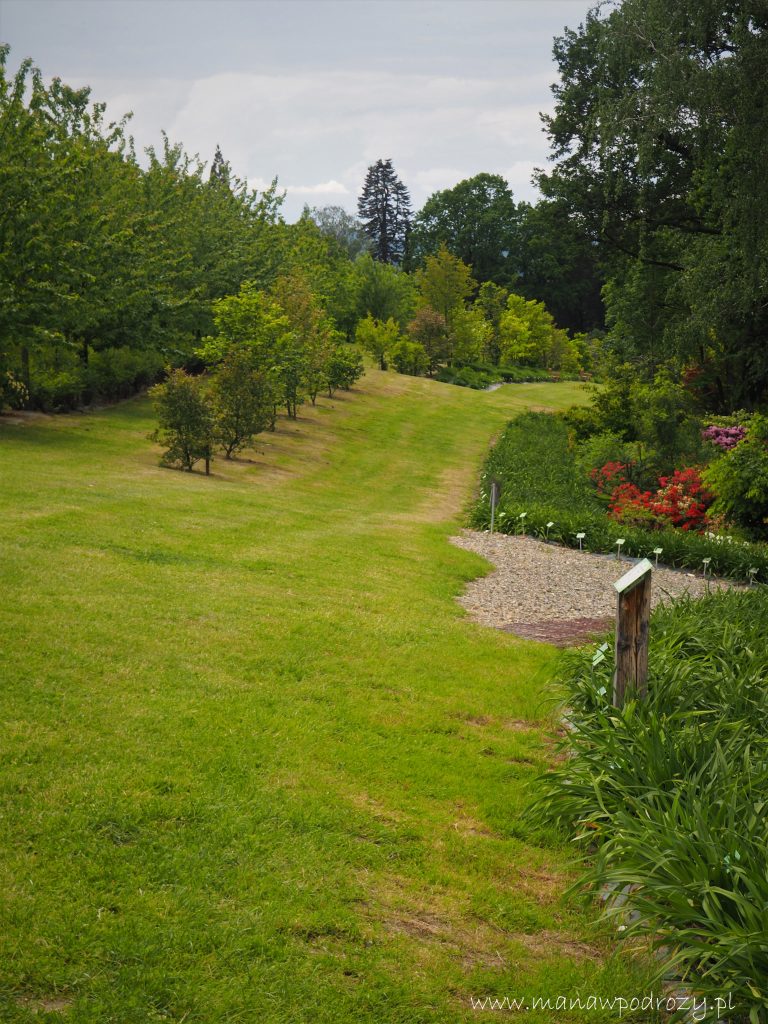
pixel 256 763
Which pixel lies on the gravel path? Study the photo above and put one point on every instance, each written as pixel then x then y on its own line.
pixel 547 592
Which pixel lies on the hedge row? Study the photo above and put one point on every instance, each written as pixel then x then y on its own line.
pixel 109 376
pixel 481 375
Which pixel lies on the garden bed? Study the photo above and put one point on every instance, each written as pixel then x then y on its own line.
pixel 547 494
pixel 547 592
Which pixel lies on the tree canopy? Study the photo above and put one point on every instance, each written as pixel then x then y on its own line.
pixel 652 225
pixel 445 283
pixel 345 229
pixel 475 220
pixel 660 138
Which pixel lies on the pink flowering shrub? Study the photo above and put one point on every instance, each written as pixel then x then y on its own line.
pixel 724 437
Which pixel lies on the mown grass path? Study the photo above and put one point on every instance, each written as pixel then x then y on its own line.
pixel 257 765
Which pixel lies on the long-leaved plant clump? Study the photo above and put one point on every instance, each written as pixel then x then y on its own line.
pixel 533 463
pixel 668 797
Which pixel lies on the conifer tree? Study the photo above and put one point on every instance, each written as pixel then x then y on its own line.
pixel 220 172
pixel 384 208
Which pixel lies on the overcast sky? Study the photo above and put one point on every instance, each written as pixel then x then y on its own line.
pixel 314 91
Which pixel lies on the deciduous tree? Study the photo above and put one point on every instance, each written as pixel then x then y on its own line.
pixel 476 221
pixel 242 401
pixel 343 228
pixel 382 291
pixel 529 335
pixel 185 420
pixel 429 329
pixel 444 283
pixel 410 357
pixel 378 337
pixel 313 332
pixel 660 139
pixel 344 368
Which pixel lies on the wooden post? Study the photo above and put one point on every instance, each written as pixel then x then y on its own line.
pixel 495 493
pixel 633 611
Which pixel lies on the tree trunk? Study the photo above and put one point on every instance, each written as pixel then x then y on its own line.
pixel 25 375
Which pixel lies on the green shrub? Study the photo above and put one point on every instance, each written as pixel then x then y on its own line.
pixel 242 401
pixel 658 418
pixel 595 451
pixel 344 368
pixel 482 375
pixel 116 373
pixel 530 374
pixel 111 374
pixel 669 792
pixel 409 357
pixel 739 478
pixel 186 422
pixel 666 423
pixel 584 421
pixel 466 377
pixel 57 390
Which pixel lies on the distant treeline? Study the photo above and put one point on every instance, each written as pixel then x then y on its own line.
pixel 110 265
pixel 656 205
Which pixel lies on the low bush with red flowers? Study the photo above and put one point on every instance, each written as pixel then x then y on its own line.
pixel 609 477
pixel 681 499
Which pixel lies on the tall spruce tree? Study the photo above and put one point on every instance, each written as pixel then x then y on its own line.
pixel 221 172
pixel 384 208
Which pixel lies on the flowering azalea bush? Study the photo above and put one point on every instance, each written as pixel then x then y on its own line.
pixel 609 477
pixel 739 478
pixel 724 437
pixel 628 504
pixel 681 500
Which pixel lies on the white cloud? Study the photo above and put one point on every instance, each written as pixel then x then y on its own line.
pixel 325 188
pixel 434 179
pixel 327 127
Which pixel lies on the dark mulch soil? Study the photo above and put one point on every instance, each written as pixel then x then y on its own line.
pixel 560 632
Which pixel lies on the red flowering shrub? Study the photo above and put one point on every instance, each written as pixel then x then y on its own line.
pixel 681 501
pixel 608 477
pixel 632 506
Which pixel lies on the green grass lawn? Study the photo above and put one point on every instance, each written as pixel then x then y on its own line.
pixel 257 765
